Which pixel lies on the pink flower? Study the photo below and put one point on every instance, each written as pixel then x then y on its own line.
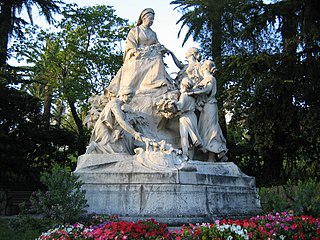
pixel 293 226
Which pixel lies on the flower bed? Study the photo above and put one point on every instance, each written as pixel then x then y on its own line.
pixel 271 226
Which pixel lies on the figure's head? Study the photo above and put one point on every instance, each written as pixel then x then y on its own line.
pixel 109 95
pixel 209 65
pixel 126 94
pixel 185 84
pixel 193 52
pixel 146 17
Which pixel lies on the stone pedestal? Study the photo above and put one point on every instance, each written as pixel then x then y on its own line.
pixel 187 193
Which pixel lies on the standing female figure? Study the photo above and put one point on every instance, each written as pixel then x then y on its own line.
pixel 208 124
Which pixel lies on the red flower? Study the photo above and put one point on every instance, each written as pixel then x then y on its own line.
pixel 302 235
pixel 293 226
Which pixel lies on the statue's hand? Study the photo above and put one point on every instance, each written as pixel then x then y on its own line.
pixel 165 50
pixel 133 53
pixel 138 137
pixel 136 53
pixel 190 93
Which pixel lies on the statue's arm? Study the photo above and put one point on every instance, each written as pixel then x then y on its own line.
pixel 119 116
pixel 131 43
pixel 178 63
pixel 199 89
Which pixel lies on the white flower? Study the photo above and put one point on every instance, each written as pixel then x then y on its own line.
pixel 206 225
pixel 226 226
pixel 221 228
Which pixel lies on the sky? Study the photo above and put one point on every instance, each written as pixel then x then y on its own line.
pixel 164 24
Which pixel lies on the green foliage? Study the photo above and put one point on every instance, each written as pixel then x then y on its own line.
pixel 302 197
pixel 8 233
pixel 268 57
pixel 26 147
pixel 42 106
pixel 25 224
pixel 72 63
pixel 11 23
pixel 64 201
pixel 272 201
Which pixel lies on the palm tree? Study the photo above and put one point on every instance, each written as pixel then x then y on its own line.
pixel 203 17
pixel 11 24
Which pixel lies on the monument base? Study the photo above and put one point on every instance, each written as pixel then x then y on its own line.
pixel 187 193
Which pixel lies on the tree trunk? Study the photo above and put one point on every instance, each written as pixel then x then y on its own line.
pixel 60 110
pixel 311 38
pixel 5 30
pixel 82 141
pixel 272 165
pixel 217 37
pixel 216 47
pixel 47 105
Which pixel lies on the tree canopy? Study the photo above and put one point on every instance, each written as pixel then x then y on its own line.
pixel 65 67
pixel 269 80
pixel 11 23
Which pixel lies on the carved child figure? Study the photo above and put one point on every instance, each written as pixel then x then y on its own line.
pixel 112 133
pixel 188 119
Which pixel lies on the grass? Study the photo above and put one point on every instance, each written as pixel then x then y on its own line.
pixel 8 234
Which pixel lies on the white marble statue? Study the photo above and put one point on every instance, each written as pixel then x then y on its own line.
pixel 208 124
pixel 97 103
pixel 188 119
pixel 112 133
pixel 153 141
pixel 192 68
pixel 162 111
pixel 143 69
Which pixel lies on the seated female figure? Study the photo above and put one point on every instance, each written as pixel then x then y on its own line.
pixel 143 69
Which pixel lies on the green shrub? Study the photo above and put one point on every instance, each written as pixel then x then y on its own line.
pixel 302 197
pixel 9 234
pixel 64 201
pixel 24 223
pixel 271 200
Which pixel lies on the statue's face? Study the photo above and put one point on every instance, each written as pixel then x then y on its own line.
pixel 203 68
pixel 127 97
pixel 197 56
pixel 148 19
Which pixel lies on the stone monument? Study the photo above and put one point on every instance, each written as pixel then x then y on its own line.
pixel 157 150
